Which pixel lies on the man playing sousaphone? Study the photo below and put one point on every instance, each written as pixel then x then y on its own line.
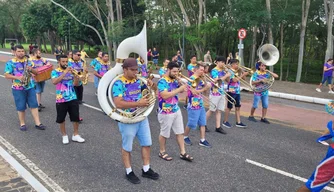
pixel 259 78
pixel 127 94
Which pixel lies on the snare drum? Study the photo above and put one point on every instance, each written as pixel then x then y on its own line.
pixel 43 73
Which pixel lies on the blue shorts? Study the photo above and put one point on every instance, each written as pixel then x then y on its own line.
pixel 39 86
pixel 263 98
pixel 328 79
pixel 323 174
pixel 196 117
pixel 24 97
pixel 141 130
pixel 96 82
pixel 155 61
pixel 236 97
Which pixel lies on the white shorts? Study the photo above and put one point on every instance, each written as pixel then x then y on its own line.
pixel 218 101
pixel 171 121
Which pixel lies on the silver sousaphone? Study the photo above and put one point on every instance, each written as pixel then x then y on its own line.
pixel 268 55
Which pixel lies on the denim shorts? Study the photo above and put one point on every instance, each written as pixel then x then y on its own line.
pixel 155 61
pixel 237 99
pixel 96 82
pixel 196 117
pixel 141 130
pixel 328 79
pixel 24 97
pixel 263 98
pixel 39 86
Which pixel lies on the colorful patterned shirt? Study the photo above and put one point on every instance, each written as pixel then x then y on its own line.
pixel 95 61
pixel 142 68
pixel 101 68
pixel 233 87
pixel 191 69
pixel 38 62
pixel 169 105
pixel 65 88
pixel 162 71
pixel 217 73
pixel 130 90
pixel 77 65
pixel 260 75
pixel 16 67
pixel 195 101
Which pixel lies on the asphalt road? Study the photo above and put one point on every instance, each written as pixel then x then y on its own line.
pixel 96 165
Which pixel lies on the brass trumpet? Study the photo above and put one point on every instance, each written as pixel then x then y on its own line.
pixel 82 75
pixel 220 90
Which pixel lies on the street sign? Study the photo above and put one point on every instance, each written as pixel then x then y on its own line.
pixel 242 33
pixel 240 46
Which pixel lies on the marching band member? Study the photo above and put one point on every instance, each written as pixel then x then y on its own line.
pixel 142 67
pixel 77 65
pixel 234 91
pixel 260 76
pixel 66 98
pixel 127 95
pixel 83 55
pixel 102 67
pixel 324 172
pixel 191 68
pixel 18 69
pixel 196 110
pixel 169 114
pixel 163 69
pixel 92 64
pixel 37 61
pixel 69 55
pixel 217 97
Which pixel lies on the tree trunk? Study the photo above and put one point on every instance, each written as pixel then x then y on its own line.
pixel 270 32
pixel 305 10
pixel 253 47
pixel 38 39
pixel 281 51
pixel 44 43
pixel 329 20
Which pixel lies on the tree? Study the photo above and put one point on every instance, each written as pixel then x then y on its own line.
pixel 329 21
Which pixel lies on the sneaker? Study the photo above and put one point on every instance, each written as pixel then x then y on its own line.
pixel 96 93
pixel 80 119
pixel 40 126
pixel 150 174
pixel 252 118
pixel 324 143
pixel 317 89
pixel 265 120
pixel 78 138
pixel 220 130
pixel 331 92
pixel 205 143
pixel 132 178
pixel 241 125
pixel 206 129
pixel 23 128
pixel 185 107
pixel 41 106
pixel 227 125
pixel 39 109
pixel 80 102
pixel 65 140
pixel 187 141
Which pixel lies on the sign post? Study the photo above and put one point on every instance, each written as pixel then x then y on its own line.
pixel 242 33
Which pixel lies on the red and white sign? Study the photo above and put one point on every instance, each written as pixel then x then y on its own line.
pixel 242 33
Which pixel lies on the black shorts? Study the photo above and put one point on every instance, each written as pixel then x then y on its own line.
pixel 71 107
pixel 237 100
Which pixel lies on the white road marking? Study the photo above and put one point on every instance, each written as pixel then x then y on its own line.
pixel 282 172
pixel 22 171
pixel 92 107
pixel 32 166
pixel 2 76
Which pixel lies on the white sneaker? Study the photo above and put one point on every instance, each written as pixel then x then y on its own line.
pixel 331 92
pixel 65 140
pixel 78 138
pixel 317 89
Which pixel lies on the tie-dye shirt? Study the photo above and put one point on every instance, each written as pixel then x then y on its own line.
pixel 162 71
pixel 142 68
pixel 169 105
pixel 101 68
pixel 130 90
pixel 65 88
pixel 95 61
pixel 195 101
pixel 191 69
pixel 77 65
pixel 38 62
pixel 217 73
pixel 16 67
pixel 260 75
pixel 233 87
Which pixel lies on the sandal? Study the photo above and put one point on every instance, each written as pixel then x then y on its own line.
pixel 165 156
pixel 186 157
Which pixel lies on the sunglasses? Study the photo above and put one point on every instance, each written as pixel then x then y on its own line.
pixel 79 54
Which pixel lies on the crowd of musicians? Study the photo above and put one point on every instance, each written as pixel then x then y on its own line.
pixel 222 79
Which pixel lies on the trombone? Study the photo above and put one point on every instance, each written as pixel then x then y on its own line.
pixel 241 69
pixel 194 84
pixel 229 98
